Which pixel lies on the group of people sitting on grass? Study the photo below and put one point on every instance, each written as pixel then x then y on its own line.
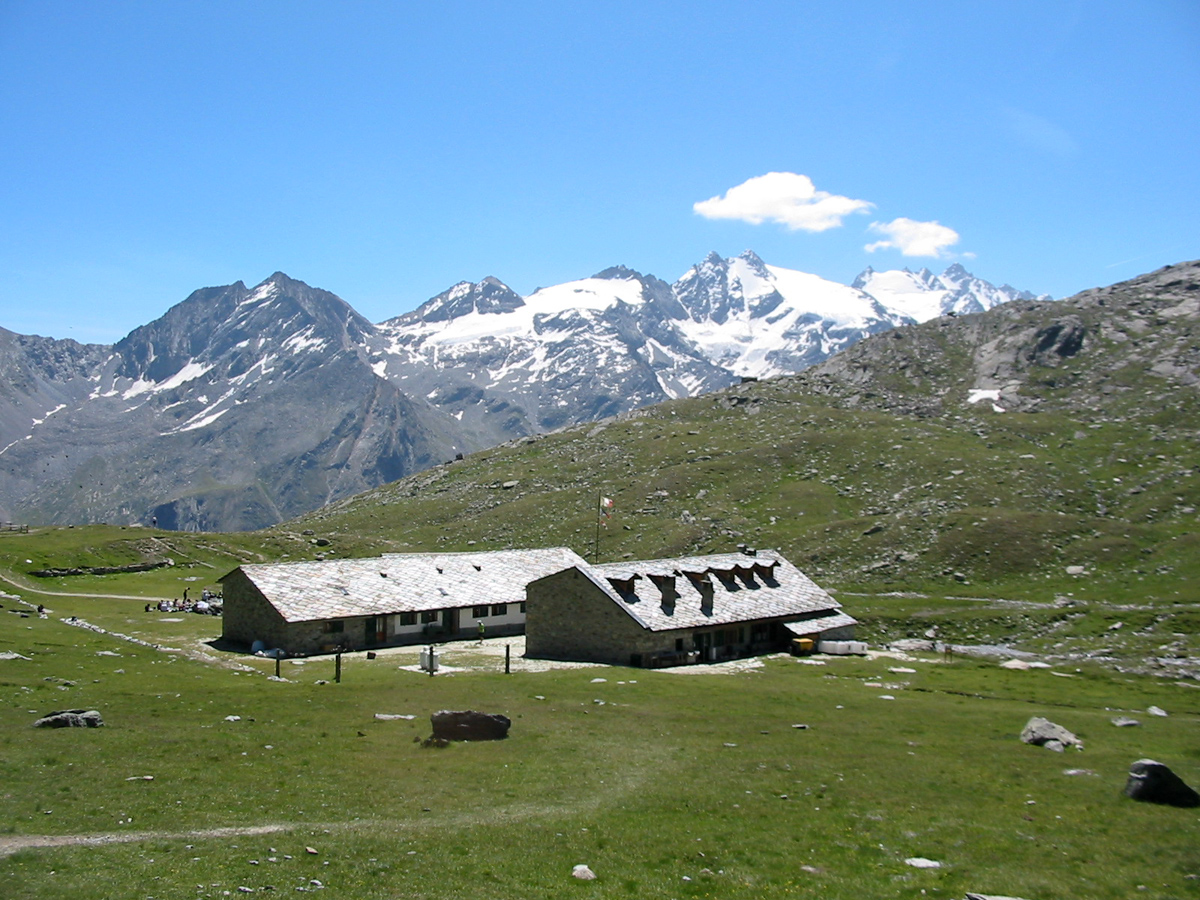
pixel 209 604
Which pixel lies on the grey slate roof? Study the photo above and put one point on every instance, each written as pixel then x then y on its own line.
pixel 745 589
pixel 403 582
pixel 820 623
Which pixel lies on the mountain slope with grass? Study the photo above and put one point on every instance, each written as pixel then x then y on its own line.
pixel 890 468
pixel 241 407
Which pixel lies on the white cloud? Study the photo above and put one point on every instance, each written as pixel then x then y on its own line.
pixel 913 238
pixel 784 197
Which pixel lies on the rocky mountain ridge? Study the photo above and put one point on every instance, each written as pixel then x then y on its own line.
pixel 242 406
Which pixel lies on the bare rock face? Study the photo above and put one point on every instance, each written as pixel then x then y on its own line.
pixel 1153 782
pixel 1044 733
pixel 469 725
pixel 70 718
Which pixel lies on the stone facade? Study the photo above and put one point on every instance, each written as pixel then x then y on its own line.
pixel 564 621
pixel 249 617
pixel 569 617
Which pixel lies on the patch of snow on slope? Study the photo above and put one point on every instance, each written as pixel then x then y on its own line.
pixel 303 340
pixel 977 394
pixel 262 292
pixel 834 302
pixel 906 293
pixel 595 294
pixel 201 420
pixel 189 372
pixel 60 406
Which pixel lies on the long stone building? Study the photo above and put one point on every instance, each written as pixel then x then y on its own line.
pixel 648 613
pixel 304 608
pixel 676 611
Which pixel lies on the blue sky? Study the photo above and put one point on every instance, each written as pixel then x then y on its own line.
pixel 385 151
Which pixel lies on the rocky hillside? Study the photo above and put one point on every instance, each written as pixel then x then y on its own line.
pixel 242 407
pixel 1040 449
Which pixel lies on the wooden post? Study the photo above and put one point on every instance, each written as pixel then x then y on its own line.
pixel 508 659
pixel 337 668
pixel 276 665
pixel 431 660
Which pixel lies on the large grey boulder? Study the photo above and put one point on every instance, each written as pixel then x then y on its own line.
pixel 1044 733
pixel 469 725
pixel 70 718
pixel 1153 782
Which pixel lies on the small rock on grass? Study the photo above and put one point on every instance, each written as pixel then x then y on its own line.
pixel 583 873
pixel 920 862
pixel 1043 733
pixel 1157 711
pixel 1125 722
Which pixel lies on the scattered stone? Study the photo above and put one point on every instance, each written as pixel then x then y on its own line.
pixel 140 778
pixel 902 670
pixel 812 870
pixel 1018 664
pixel 800 726
pixel 1125 721
pixel 1056 746
pixel 1153 782
pixel 233 718
pixel 912 645
pixel 583 873
pixel 730 744
pixel 469 725
pixel 971 895
pixel 387 717
pixel 1076 570
pixel 70 718
pixel 886 697
pixel 920 862
pixel 1157 711
pixel 439 742
pixel 1039 731
pixel 312 851
pixel 9 654
pixel 599 680
pixel 1078 772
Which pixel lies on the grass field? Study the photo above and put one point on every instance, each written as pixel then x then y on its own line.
pixel 677 785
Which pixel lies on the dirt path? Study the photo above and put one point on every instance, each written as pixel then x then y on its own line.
pixel 10 843
pixel 22 585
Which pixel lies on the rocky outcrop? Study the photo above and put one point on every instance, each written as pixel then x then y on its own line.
pixel 469 725
pixel 1042 732
pixel 70 718
pixel 1153 782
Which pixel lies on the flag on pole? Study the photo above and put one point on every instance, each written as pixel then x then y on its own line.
pixel 606 504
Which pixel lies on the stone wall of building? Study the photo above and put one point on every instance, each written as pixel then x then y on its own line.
pixel 568 617
pixel 247 616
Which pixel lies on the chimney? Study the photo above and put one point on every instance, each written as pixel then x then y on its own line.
pixel 706 588
pixel 666 584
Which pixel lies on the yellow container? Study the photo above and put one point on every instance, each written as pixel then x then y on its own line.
pixel 802 646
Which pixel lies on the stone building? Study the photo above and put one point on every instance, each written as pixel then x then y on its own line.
pixel 304 608
pixel 676 611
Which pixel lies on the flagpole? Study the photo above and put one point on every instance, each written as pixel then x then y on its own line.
pixel 596 545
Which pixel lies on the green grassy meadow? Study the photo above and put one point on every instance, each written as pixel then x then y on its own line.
pixel 677 785
pixel 1070 533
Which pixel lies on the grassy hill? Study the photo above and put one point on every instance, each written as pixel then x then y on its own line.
pixel 1072 510
pixel 1064 526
